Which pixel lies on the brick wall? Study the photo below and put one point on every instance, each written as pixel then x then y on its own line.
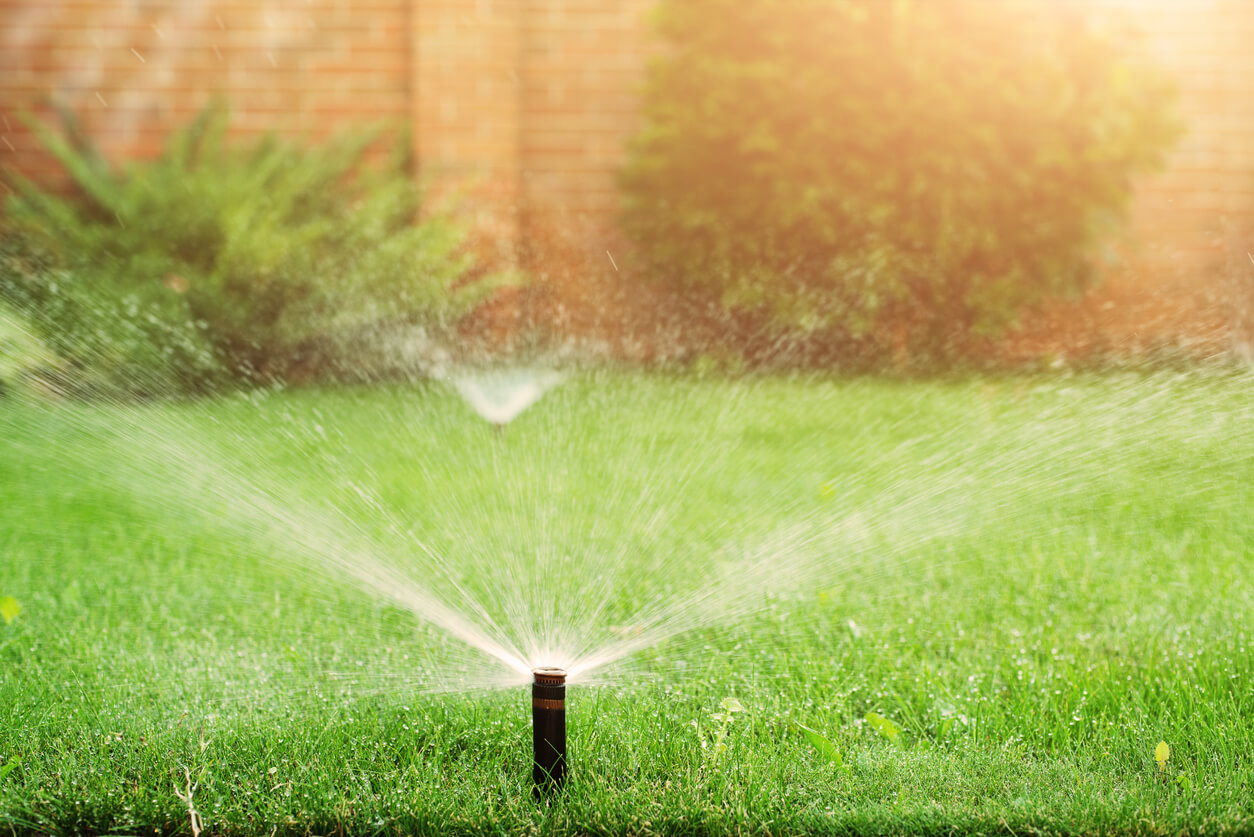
pixel 521 108
pixel 132 69
pixel 583 62
pixel 467 106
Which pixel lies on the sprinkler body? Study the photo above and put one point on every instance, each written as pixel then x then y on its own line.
pixel 548 728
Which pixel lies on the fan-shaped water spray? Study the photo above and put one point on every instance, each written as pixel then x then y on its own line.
pixel 521 561
pixel 500 394
pixel 600 547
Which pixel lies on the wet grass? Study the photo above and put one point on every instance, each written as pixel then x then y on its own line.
pixel 1047 578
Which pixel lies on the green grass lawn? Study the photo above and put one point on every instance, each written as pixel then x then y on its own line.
pixel 944 607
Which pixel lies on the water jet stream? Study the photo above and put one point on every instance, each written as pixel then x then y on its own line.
pixel 474 543
pixel 499 395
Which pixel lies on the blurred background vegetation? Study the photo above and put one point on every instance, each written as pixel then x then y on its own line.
pixel 887 177
pixel 854 184
pixel 220 263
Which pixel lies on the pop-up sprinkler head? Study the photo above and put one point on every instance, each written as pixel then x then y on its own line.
pixel 548 726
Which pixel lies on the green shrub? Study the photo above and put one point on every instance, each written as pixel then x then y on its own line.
pixel 886 172
pixel 22 354
pixel 217 263
pixel 109 330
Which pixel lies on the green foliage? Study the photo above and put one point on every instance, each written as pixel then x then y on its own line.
pixel 21 353
pixel 218 261
pixel 884 727
pixel 9 609
pixel 723 721
pixel 890 174
pixel 824 746
pixel 108 328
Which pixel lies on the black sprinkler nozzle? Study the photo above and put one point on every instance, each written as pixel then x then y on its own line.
pixel 548 726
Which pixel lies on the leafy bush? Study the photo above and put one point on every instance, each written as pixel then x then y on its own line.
pixel 22 354
pixel 902 172
pixel 109 330
pixel 215 262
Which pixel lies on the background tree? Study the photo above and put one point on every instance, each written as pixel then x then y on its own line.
pixel 880 171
